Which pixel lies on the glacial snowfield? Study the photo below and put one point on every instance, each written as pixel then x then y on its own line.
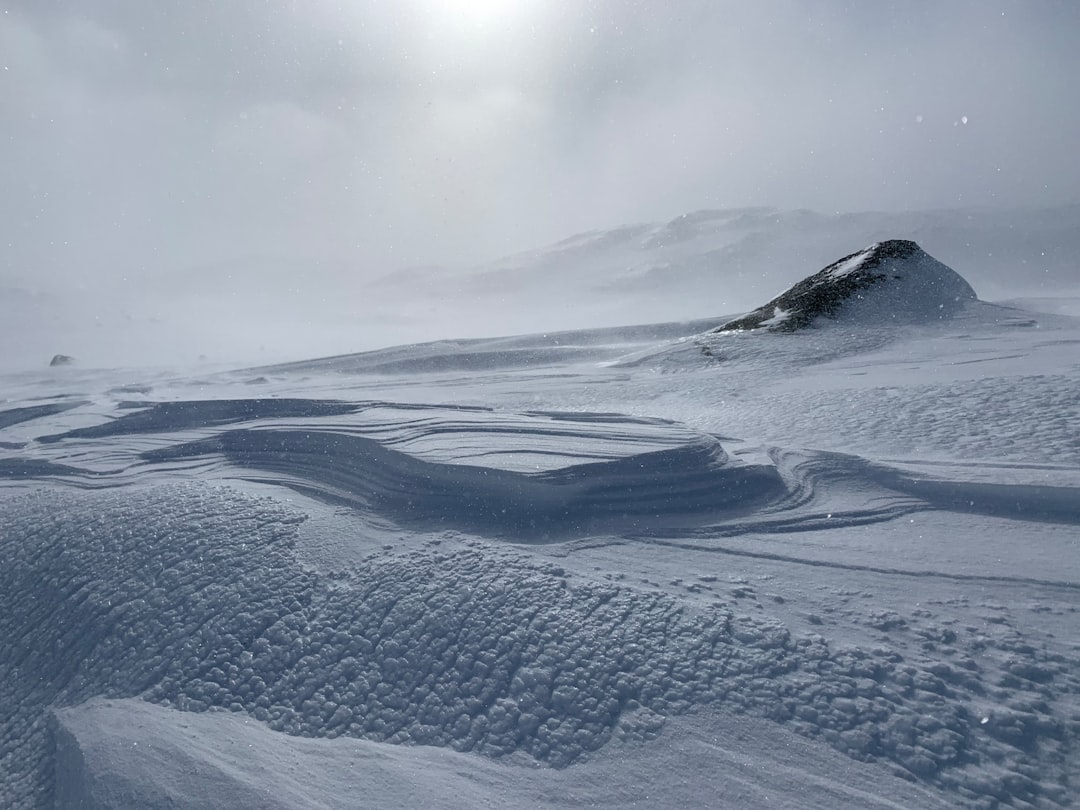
pixel 650 566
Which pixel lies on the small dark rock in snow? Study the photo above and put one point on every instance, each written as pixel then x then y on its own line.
pixel 61 360
pixel 888 282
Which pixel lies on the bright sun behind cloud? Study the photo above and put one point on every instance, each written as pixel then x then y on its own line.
pixel 479 15
pixel 480 12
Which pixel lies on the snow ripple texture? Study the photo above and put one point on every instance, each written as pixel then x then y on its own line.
pixel 1027 418
pixel 533 476
pixel 191 596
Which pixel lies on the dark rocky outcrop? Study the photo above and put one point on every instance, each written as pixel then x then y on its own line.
pixel 888 282
pixel 61 360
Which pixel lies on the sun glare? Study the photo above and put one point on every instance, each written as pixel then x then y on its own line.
pixel 477 12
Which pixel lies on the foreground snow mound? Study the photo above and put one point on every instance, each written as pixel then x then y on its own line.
pixel 888 282
pixel 193 597
pixel 118 754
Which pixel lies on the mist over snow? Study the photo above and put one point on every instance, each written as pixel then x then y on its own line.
pixel 257 169
pixel 705 264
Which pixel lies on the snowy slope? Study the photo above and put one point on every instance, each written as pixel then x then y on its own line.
pixel 131 751
pixel 832 568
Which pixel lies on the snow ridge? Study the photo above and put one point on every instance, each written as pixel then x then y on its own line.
pixel 536 477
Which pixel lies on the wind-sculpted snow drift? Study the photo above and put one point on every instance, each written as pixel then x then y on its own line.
pixel 525 476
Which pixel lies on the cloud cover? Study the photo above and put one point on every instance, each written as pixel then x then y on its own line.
pixel 150 138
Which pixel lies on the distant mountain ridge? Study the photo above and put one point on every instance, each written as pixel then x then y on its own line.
pixel 894 281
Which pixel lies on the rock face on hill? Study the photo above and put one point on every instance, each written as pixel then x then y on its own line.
pixel 889 282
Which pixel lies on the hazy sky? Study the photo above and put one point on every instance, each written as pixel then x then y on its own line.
pixel 147 137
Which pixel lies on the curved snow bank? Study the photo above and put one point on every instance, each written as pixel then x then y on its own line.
pixel 14 416
pixel 192 597
pixel 502 353
pixel 524 477
pixel 685 485
pixel 892 282
pixel 178 416
pixel 521 476
pixel 129 754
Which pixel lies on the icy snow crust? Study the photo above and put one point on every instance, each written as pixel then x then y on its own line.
pixel 658 577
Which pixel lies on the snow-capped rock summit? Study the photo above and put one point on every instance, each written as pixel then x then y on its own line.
pixel 894 281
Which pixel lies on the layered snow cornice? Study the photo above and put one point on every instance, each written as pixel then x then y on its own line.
pixel 894 281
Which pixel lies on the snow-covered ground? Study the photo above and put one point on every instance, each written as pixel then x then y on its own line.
pixel 644 566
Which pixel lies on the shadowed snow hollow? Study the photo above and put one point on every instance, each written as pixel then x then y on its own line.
pixel 888 282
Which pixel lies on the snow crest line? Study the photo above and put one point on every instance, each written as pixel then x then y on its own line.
pixel 641 492
pixel 899 572
pixel 520 476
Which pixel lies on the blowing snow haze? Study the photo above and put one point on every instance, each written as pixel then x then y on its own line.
pixel 319 177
